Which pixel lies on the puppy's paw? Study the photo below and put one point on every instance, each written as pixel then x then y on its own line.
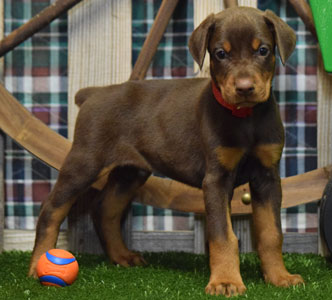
pixel 284 279
pixel 32 273
pixel 33 267
pixel 227 289
pixel 129 259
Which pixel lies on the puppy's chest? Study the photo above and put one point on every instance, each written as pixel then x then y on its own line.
pixel 251 144
pixel 265 154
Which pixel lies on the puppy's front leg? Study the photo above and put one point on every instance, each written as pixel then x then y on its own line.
pixel 266 202
pixel 225 276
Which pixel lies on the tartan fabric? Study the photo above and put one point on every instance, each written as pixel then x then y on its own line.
pixel 36 74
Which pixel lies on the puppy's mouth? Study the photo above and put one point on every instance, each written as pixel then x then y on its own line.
pixel 246 97
pixel 248 101
pixel 245 104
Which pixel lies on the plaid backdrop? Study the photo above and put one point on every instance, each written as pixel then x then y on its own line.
pixel 36 73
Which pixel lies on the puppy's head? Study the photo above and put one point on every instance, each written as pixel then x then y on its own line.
pixel 241 42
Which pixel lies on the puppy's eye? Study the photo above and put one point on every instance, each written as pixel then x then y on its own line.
pixel 221 54
pixel 263 51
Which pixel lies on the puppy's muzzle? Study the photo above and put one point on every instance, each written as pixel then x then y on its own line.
pixel 244 86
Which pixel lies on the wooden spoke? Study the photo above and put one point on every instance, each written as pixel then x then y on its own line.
pixel 37 23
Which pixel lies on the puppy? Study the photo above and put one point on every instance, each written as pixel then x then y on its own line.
pixel 211 133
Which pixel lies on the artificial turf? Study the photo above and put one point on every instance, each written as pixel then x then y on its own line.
pixel 168 276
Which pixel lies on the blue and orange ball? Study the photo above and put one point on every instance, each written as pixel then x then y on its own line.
pixel 57 267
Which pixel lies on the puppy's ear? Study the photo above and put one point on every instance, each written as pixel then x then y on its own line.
pixel 199 40
pixel 284 35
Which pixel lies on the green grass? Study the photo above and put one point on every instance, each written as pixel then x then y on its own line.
pixel 168 276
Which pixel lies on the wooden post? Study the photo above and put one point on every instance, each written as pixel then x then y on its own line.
pixel 99 53
pixel 99 47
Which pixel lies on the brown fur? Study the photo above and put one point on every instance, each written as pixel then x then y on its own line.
pixel 177 128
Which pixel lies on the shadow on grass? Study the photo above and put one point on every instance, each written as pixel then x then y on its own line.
pixel 193 263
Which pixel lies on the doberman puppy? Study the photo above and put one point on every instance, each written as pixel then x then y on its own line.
pixel 211 133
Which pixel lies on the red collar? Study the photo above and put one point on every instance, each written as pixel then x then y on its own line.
pixel 237 112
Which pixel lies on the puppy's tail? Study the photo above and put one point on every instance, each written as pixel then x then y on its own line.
pixel 83 94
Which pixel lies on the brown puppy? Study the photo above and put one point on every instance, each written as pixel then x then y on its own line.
pixel 213 134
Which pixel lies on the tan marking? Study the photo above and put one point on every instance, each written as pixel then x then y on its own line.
pixel 267 79
pixel 229 157
pixel 227 46
pixel 48 240
pixel 268 154
pixel 224 254
pixel 225 247
pixel 255 44
pixel 225 265
pixel 268 237
pixel 57 217
pixel 226 86
pixel 263 86
pixel 269 246
pixel 267 82
pixel 103 177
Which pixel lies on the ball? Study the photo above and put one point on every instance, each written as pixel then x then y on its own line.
pixel 246 198
pixel 57 267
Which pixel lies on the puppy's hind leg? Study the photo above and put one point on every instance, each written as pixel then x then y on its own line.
pixel 120 190
pixel 77 174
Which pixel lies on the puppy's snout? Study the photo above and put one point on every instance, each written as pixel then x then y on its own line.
pixel 244 86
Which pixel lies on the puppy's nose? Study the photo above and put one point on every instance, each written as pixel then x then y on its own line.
pixel 244 86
